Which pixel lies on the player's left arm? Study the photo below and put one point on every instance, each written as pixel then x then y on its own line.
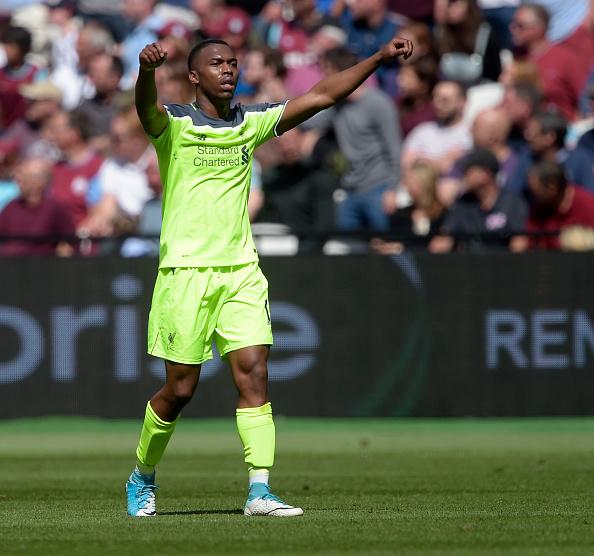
pixel 334 88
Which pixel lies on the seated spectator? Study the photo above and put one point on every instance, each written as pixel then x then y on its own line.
pixel 556 205
pixel 415 88
pixel 580 162
pixel 422 37
pixel 105 73
pixel 520 101
pixel 173 85
pixel 562 79
pixel 499 14
pixel 34 214
pixel 485 214
pixel 490 131
pixel 74 83
pixel 70 132
pixel 121 186
pixel 28 133
pixel 468 47
pixel 445 140
pixel 545 135
pixel 175 38
pixel 16 42
pixel 145 25
pixel 9 189
pixel 369 25
pixel 298 192
pixel 418 222
pixel 264 71
pixel 520 71
pixel 565 17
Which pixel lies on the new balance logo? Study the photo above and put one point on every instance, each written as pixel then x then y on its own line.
pixel 245 155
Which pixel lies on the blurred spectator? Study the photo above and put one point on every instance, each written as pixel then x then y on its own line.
pixel 107 13
pixel 580 163
pixel 264 71
pixel 484 208
pixel 445 140
pixel 369 25
pixel 63 28
pixel 105 73
pixel 520 72
pixel 415 88
pixel 34 214
pixel 545 134
pixel 490 131
pixel 145 24
pixel 499 14
pixel 419 221
pixel 422 37
pixel 70 132
pixel 561 78
pixel 298 192
pixel 9 190
pixel 173 85
pixel 16 42
pixel 175 38
pixel 28 133
pixel 565 16
pixel 74 82
pixel 521 102
pixel 468 47
pixel 120 189
pixel 556 205
pixel 367 132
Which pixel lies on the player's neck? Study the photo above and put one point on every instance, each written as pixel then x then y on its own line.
pixel 213 108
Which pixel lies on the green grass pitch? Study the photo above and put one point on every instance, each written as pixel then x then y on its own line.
pixel 369 487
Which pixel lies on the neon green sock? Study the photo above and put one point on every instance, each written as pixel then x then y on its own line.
pixel 256 430
pixel 153 439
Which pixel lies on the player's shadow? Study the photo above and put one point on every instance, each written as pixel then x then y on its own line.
pixel 203 512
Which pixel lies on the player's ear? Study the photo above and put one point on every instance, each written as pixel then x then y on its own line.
pixel 193 77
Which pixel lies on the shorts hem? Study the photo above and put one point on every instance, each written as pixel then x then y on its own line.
pixel 176 359
pixel 235 347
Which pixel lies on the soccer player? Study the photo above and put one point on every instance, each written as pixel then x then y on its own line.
pixel 209 283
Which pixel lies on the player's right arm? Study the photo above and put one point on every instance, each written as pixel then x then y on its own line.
pixel 152 114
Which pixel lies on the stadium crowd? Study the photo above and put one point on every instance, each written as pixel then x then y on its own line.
pixel 483 139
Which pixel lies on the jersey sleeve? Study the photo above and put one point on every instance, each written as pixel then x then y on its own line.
pixel 265 117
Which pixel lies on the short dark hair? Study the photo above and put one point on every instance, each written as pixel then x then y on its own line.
pixel 552 122
pixel 426 70
pixel 197 48
pixel 19 36
pixel 340 58
pixel 117 66
pixel 549 172
pixel 481 158
pixel 79 120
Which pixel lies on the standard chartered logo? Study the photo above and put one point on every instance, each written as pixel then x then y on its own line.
pixel 221 156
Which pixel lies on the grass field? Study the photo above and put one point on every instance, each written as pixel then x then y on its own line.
pixel 460 487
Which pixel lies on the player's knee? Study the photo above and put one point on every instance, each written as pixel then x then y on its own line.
pixel 183 392
pixel 256 369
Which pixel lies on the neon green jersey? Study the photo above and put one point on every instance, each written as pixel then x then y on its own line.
pixel 206 166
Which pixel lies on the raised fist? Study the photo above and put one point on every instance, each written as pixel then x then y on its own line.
pixel 152 56
pixel 395 48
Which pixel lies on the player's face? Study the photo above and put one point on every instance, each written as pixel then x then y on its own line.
pixel 216 71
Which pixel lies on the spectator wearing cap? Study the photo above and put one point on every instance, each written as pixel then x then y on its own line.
pixel 562 77
pixel 556 206
pixel 175 39
pixel 17 72
pixel 145 25
pixel 34 214
pixel 43 99
pixel 485 214
pixel 105 73
pixel 93 39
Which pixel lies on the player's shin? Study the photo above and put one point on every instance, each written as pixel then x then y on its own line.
pixel 154 438
pixel 256 430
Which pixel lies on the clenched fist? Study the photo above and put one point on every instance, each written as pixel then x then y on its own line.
pixel 396 47
pixel 152 56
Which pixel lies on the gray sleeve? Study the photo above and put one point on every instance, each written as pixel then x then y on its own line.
pixel 320 122
pixel 385 116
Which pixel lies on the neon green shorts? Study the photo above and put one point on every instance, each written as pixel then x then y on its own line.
pixel 192 305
